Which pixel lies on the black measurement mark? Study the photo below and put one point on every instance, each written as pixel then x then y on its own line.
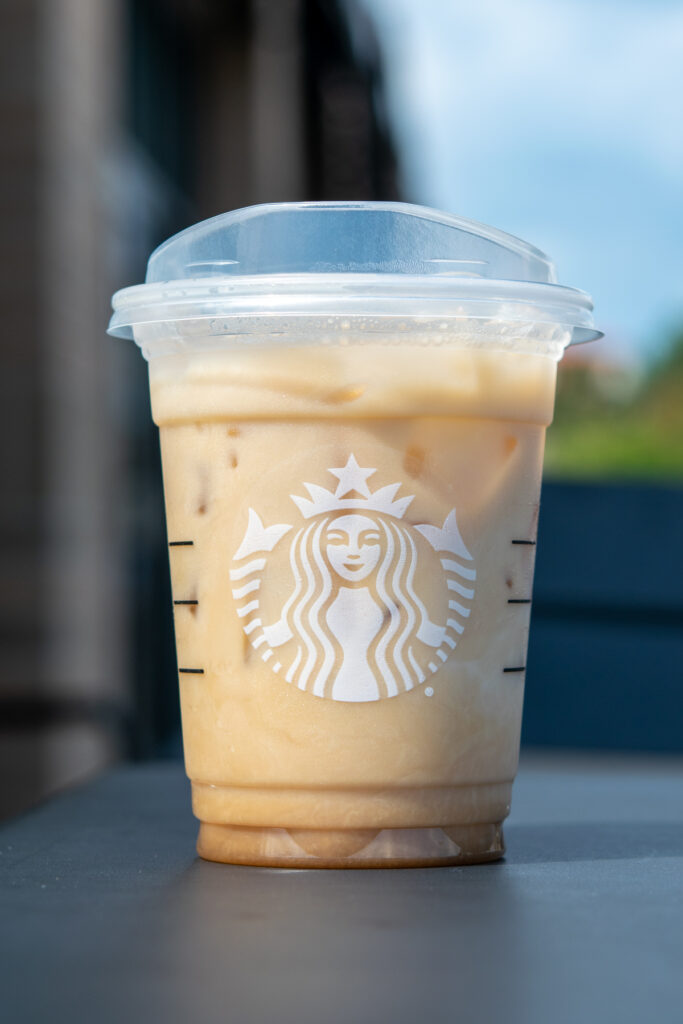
pixel 519 668
pixel 185 543
pixel 200 671
pixel 533 542
pixel 186 602
pixel 511 600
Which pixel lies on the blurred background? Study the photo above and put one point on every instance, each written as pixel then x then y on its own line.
pixel 126 120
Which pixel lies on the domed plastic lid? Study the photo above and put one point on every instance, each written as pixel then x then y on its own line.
pixel 348 258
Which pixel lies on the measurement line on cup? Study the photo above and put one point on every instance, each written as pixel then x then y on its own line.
pixel 200 671
pixel 516 668
pixel 186 602
pixel 532 542
pixel 519 600
pixel 184 543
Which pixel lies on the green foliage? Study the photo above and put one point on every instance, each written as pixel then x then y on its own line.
pixel 609 425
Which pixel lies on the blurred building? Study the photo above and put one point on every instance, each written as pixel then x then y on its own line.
pixel 123 122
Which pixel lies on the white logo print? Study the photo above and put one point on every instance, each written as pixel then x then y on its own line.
pixel 352 625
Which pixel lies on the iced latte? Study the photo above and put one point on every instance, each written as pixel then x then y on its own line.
pixel 352 505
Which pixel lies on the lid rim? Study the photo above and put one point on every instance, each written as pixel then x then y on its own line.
pixel 441 286
pixel 363 295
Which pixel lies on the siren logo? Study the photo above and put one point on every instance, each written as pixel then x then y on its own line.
pixel 350 622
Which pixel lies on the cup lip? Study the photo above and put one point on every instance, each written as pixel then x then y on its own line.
pixel 381 295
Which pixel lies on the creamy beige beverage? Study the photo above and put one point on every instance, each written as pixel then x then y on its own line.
pixel 286 768
pixel 352 401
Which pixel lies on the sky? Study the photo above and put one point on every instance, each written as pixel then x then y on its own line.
pixel 559 121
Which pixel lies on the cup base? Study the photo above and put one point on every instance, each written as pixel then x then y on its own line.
pixel 351 848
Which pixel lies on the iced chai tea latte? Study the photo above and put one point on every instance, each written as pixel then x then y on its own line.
pixel 352 457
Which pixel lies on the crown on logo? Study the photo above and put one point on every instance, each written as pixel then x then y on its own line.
pixel 352 492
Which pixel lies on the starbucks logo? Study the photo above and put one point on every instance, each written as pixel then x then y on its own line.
pixel 348 620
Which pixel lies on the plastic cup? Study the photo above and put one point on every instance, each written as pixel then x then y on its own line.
pixel 352 402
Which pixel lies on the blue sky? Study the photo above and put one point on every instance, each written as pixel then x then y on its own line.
pixel 559 121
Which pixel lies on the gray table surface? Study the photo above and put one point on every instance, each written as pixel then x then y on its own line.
pixel 107 915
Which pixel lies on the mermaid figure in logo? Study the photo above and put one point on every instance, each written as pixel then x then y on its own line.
pixel 356 627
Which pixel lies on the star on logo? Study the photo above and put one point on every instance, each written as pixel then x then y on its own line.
pixel 352 478
pixel 352 493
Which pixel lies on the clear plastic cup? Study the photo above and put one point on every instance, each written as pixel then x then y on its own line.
pixel 352 401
